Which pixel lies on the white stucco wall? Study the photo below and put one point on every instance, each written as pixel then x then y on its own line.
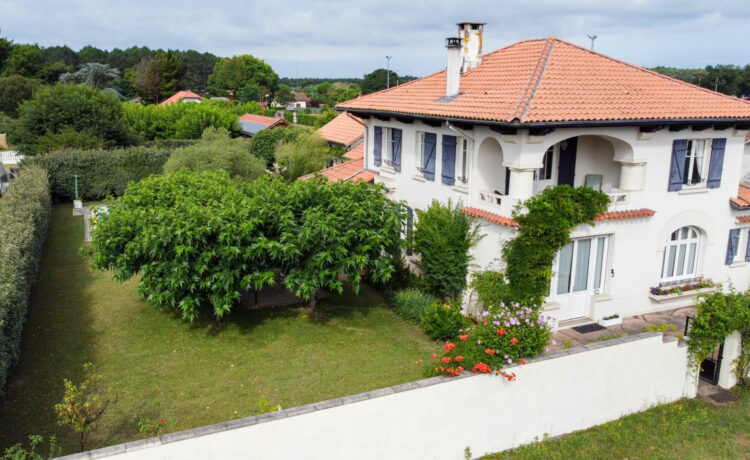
pixel 438 418
pixel 636 246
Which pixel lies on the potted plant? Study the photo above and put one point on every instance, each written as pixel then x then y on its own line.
pixel 78 203
pixel 611 320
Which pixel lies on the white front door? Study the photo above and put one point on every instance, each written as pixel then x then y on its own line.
pixel 578 274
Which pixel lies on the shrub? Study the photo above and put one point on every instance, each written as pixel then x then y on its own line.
pixel 442 321
pixel 67 138
pixel 177 121
pixel 13 91
pixel 216 150
pixel 76 107
pixel 443 237
pixel 412 303
pixel 505 335
pixel 264 143
pixel 306 153
pixel 491 288
pixel 100 172
pixel 24 217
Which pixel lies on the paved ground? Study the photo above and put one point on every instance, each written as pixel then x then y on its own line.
pixel 675 319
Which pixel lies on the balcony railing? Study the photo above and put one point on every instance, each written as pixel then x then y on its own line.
pixel 617 197
pixel 491 198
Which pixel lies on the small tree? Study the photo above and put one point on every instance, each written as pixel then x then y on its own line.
pixel 264 143
pixel 84 405
pixel 307 153
pixel 92 74
pixel 216 150
pixel 13 91
pixel 443 237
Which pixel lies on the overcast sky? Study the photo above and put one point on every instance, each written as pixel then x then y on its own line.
pixel 348 38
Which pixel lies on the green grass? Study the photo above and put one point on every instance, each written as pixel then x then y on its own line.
pixel 189 374
pixel 688 429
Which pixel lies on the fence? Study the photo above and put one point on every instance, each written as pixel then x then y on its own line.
pixel 10 157
pixel 440 417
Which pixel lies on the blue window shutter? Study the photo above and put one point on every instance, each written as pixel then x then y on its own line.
pixel 378 145
pixel 747 251
pixel 448 171
pixel 717 162
pixel 428 168
pixel 397 149
pixel 677 169
pixel 734 239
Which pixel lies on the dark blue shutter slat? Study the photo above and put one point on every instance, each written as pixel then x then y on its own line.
pixel 566 170
pixel 448 171
pixel 717 163
pixel 430 141
pixel 677 169
pixel 747 251
pixel 397 149
pixel 734 236
pixel 378 145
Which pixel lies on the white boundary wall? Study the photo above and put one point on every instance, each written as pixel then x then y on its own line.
pixel 438 418
pixel 10 157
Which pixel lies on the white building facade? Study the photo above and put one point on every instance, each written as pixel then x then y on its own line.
pixel 670 179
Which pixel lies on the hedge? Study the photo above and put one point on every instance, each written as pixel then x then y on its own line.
pixel 24 217
pixel 100 172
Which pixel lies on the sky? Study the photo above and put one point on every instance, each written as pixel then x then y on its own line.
pixel 348 38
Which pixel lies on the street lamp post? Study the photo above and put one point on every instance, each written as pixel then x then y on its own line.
pixel 388 71
pixel 263 107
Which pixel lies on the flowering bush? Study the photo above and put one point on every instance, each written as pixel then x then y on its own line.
pixel 442 321
pixel 505 335
pixel 700 283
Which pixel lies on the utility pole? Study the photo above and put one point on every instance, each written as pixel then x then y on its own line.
pixel 592 38
pixel 388 70
pixel 716 86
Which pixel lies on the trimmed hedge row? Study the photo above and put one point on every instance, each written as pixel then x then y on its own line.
pixel 24 218
pixel 100 172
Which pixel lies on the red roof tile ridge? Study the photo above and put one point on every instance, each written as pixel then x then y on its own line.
pixel 536 77
pixel 651 72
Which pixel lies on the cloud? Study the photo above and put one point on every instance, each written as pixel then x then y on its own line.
pixel 350 38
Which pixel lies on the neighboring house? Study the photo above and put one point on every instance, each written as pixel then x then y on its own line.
pixel 345 131
pixel 252 124
pixel 492 130
pixel 182 96
pixel 301 101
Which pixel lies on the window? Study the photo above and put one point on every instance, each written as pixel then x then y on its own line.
pixel 462 160
pixel 388 147
pixel 545 172
pixel 420 150
pixel 696 166
pixel 681 254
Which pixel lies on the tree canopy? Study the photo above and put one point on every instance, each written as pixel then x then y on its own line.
pixel 249 78
pixel 159 77
pixel 305 153
pixel 13 91
pixel 93 74
pixel 199 239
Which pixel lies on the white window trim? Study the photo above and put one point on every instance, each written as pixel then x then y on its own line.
pixel 676 244
pixel 690 161
pixel 387 146
pixel 463 160
pixel 420 150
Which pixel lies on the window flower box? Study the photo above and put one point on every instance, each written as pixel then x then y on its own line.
pixel 664 293
pixel 612 320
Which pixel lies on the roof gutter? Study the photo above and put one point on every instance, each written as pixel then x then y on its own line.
pixel 552 124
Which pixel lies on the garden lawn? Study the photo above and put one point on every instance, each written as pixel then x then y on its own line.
pixel 189 374
pixel 688 429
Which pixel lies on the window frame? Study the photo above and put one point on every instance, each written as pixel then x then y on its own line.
pixel 420 150
pixel 690 157
pixel 463 156
pixel 387 146
pixel 677 243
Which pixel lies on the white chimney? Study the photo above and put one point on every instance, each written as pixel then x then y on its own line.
pixel 471 52
pixel 453 69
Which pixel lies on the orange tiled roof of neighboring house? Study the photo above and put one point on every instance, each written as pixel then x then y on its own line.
pixel 350 170
pixel 743 219
pixel 551 80
pixel 357 153
pixel 610 215
pixel 176 97
pixel 343 129
pixel 268 121
pixel 743 198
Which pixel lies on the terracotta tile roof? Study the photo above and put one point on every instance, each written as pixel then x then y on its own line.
pixel 743 198
pixel 350 170
pixel 743 219
pixel 550 80
pixel 611 215
pixel 268 121
pixel 342 130
pixel 625 214
pixel 357 153
pixel 180 95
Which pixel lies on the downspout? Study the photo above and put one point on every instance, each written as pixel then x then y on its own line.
pixel 461 133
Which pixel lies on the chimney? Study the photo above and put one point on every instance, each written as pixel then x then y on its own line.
pixel 471 52
pixel 453 68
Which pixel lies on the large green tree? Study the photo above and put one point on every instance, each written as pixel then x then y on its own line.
pixel 75 107
pixel 306 153
pixel 24 60
pixel 199 66
pixel 250 78
pixel 93 74
pixel 199 239
pixel 159 77
pixel 378 80
pixel 13 91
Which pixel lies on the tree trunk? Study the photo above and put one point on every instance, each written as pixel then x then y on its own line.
pixel 81 441
pixel 312 302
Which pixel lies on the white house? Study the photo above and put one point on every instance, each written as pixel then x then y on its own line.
pixel 492 130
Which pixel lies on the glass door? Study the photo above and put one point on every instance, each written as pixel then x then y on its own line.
pixel 579 270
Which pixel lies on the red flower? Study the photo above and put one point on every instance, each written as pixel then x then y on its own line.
pixel 523 362
pixel 463 337
pixel 459 358
pixel 501 331
pixel 481 368
pixel 161 420
pixel 442 368
pixel 489 351
pixel 446 359
pixel 434 355
pixel 460 369
pixel 449 346
pixel 447 307
pixel 513 341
